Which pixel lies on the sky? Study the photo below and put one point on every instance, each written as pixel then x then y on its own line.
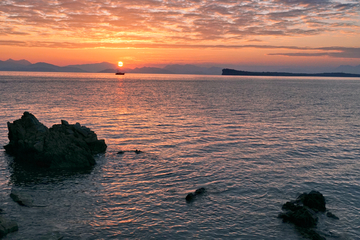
pixel 202 32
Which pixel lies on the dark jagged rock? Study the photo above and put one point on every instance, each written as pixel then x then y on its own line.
pixel 311 234
pixel 7 226
pixel 314 200
pixel 331 215
pixel 191 196
pixel 135 151
pixel 289 206
pixel 200 191
pixel 301 216
pixel 62 146
pixel 302 213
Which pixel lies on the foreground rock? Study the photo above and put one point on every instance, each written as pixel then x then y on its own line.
pixel 303 213
pixel 62 146
pixel 7 226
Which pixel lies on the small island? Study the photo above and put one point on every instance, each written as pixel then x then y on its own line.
pixel 228 71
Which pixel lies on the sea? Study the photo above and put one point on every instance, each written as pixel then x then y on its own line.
pixel 253 143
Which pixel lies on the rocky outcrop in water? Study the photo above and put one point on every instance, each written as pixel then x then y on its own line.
pixel 303 213
pixel 21 198
pixel 63 146
pixel 192 196
pixel 135 151
pixel 7 226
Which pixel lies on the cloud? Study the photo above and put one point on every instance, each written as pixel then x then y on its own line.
pixel 306 2
pixel 335 52
pixel 173 21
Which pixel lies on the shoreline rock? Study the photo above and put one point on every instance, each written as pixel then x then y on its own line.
pixel 63 146
pixel 7 226
pixel 191 196
pixel 23 199
pixel 303 211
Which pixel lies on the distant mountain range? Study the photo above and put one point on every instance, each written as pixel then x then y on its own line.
pixel 24 65
pixel 105 67
pixel 348 69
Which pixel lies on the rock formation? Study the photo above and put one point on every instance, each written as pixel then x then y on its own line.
pixel 7 226
pixel 63 146
pixel 21 198
pixel 191 196
pixel 303 213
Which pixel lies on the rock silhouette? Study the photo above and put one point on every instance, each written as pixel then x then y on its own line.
pixel 191 196
pixel 135 151
pixel 7 226
pixel 302 212
pixel 63 146
pixel 22 198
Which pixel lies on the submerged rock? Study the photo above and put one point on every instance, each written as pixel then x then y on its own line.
pixel 7 226
pixel 200 191
pixel 22 198
pixel 51 236
pixel 191 196
pixel 300 216
pixel 311 234
pixel 135 151
pixel 62 146
pixel 331 215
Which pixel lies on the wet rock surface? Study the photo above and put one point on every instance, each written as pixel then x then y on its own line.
pixel 22 198
pixel 303 212
pixel 7 226
pixel 63 146
pixel 331 215
pixel 192 196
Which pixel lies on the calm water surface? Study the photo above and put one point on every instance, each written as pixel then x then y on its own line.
pixel 252 142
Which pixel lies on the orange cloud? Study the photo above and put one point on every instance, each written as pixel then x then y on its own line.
pixel 197 24
pixel 204 20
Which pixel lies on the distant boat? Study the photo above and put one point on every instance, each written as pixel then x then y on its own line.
pixel 119 73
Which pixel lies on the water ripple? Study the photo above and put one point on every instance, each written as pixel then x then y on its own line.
pixel 252 143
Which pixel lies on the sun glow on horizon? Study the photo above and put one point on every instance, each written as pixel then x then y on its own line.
pixel 120 64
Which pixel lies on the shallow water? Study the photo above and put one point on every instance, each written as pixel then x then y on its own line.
pixel 252 142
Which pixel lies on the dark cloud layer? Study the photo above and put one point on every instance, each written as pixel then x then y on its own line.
pixel 337 52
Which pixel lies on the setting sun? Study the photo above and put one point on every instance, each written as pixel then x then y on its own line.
pixel 305 36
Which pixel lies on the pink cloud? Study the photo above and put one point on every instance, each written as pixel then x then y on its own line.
pixel 172 21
